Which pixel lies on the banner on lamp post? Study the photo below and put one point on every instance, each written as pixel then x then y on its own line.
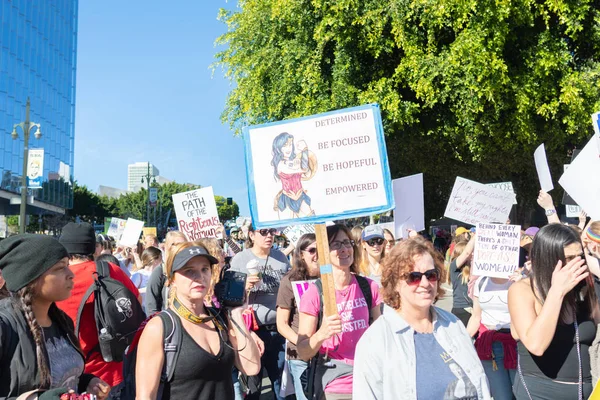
pixel 35 168
pixel 153 196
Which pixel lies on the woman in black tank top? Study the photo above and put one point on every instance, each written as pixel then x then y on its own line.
pixel 211 344
pixel 554 314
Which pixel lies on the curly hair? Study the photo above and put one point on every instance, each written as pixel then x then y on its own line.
pixel 400 262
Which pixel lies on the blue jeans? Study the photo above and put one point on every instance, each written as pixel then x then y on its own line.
pixel 237 390
pixel 272 360
pixel 297 367
pixel 501 380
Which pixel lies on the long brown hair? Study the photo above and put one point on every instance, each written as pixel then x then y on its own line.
pixel 333 231
pixel 465 272
pixel 299 270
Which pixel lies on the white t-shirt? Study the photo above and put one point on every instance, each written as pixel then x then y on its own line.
pixel 140 280
pixel 493 299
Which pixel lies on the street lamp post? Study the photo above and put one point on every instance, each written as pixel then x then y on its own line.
pixel 26 127
pixel 148 176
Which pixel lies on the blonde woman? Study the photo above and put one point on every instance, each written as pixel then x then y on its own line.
pixel 373 245
pixel 460 272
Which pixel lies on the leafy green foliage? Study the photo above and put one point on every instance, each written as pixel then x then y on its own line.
pixel 466 88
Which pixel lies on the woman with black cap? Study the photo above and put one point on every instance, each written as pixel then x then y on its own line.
pixel 39 350
pixel 210 345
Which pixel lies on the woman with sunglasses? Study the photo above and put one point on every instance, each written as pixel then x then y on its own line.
pixel 337 335
pixel 390 241
pixel 373 245
pixel 272 265
pixel 304 268
pixel 416 350
pixel 554 313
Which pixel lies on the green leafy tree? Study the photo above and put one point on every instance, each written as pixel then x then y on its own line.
pixel 466 88
pixel 226 211
pixel 86 205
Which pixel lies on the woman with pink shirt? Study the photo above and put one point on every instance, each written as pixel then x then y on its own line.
pixel 334 338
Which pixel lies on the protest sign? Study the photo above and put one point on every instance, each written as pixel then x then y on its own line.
pixel 576 179
pixel 35 168
pixel 132 232
pixel 149 231
pixel 116 228
pixel 299 287
pixel 314 169
pixel 293 233
pixel 506 186
pixel 472 202
pixel 543 171
pixel 572 211
pixel 496 250
pixel 196 212
pixel 410 208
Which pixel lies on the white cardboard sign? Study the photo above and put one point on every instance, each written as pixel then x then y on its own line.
pixel 131 234
pixel 293 233
pixel 196 213
pixel 410 207
pixel 472 202
pixel 543 171
pixel 496 250
pixel 506 186
pixel 581 181
pixel 116 228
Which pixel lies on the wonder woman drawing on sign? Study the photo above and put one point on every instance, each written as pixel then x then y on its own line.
pixel 291 169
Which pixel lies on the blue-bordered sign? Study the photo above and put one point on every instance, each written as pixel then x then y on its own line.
pixel 319 168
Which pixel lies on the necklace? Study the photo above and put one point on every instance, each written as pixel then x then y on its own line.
pixel 187 314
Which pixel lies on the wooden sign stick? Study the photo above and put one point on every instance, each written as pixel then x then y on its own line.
pixel 329 302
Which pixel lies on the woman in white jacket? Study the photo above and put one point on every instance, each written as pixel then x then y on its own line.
pixel 415 350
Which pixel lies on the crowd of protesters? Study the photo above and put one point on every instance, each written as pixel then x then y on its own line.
pixel 529 336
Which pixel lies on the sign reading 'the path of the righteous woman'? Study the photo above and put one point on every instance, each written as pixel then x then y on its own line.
pixel 472 202
pixel 496 250
pixel 196 212
pixel 318 168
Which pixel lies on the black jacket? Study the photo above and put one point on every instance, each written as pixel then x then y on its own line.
pixel 18 362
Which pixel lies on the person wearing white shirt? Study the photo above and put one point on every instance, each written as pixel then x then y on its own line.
pixel 416 350
pixel 151 258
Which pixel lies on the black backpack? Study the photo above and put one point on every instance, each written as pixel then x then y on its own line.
pixel 117 312
pixel 308 376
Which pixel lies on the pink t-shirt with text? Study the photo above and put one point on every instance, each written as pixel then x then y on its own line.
pixel 352 307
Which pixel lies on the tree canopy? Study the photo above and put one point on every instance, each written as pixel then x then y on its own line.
pixel 466 88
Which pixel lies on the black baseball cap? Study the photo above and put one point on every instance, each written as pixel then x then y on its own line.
pixel 187 254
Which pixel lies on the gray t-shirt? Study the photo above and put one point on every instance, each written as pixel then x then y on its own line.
pixel 66 363
pixel 264 295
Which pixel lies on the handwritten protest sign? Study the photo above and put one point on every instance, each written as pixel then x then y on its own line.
pixel 196 212
pixel 299 287
pixel 543 171
pixel 116 228
pixel 496 250
pixel 132 232
pixel 506 186
pixel 293 233
pixel 576 179
pixel 472 202
pixel 314 169
pixel 410 206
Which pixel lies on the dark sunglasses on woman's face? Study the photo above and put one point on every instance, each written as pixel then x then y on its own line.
pixel 265 232
pixel 312 251
pixel 373 242
pixel 571 258
pixel 414 278
pixel 336 244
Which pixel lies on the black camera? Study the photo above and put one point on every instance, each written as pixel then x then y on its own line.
pixel 231 289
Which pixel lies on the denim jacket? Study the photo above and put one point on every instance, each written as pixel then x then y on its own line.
pixel 385 360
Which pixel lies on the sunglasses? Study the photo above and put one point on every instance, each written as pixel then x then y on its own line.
pixel 312 251
pixel 373 242
pixel 265 232
pixel 336 244
pixel 414 278
pixel 571 258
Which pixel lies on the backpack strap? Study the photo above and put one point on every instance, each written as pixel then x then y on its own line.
pixel 481 282
pixel 173 335
pixel 365 288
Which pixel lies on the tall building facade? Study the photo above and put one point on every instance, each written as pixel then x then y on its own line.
pixel 38 60
pixel 137 171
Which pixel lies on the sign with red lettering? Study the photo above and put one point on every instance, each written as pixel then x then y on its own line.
pixel 196 212
pixel 496 250
pixel 318 168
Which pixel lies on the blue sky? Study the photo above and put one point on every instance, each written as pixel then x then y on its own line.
pixel 145 92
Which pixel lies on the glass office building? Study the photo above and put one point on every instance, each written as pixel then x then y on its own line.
pixel 38 59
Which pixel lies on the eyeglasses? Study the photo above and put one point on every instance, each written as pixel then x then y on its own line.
pixel 265 232
pixel 336 244
pixel 414 278
pixel 571 258
pixel 312 251
pixel 373 242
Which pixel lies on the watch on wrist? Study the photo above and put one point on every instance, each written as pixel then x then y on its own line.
pixel 550 212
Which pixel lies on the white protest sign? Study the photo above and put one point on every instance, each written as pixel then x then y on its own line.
pixel 196 213
pixel 131 234
pixel 472 202
pixel 543 171
pixel 410 207
pixel 496 250
pixel 116 228
pixel 387 225
pixel 506 186
pixel 581 181
pixel 299 287
pixel 572 211
pixel 319 168
pixel 293 233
